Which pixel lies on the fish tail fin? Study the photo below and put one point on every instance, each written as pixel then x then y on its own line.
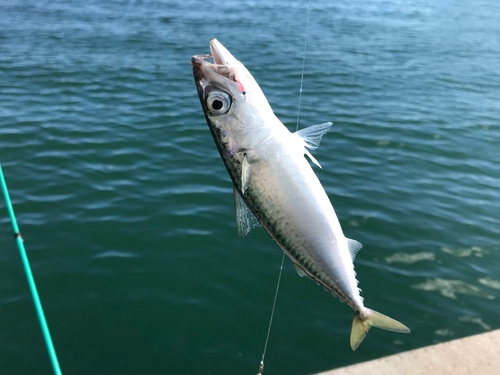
pixel 368 318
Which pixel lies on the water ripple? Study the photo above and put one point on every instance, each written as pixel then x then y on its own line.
pixel 475 251
pixel 410 258
pixel 450 288
pixel 115 254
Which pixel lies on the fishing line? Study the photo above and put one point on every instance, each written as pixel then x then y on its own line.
pixel 261 365
pixel 31 280
pixel 303 63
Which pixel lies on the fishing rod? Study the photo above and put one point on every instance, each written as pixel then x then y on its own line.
pixel 31 280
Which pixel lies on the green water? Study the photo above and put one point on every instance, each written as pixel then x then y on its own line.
pixel 126 208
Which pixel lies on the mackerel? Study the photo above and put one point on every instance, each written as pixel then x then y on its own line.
pixel 275 185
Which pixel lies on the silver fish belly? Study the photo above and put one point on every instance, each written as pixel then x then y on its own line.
pixel 275 182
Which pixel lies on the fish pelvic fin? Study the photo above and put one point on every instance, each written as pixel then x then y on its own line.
pixel 310 138
pixel 368 318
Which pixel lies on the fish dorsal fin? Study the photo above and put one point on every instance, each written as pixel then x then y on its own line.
pixel 245 220
pixel 310 138
pixel 299 270
pixel 353 246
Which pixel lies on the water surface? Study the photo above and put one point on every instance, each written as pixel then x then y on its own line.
pixel 126 208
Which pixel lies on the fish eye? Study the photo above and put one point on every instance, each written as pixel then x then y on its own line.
pixel 218 102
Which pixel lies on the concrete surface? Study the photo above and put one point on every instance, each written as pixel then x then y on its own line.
pixel 479 354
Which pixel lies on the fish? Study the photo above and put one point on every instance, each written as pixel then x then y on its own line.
pixel 274 184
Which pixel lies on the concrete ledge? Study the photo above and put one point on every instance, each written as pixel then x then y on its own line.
pixel 479 354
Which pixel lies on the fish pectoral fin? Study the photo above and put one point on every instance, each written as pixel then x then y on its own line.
pixel 300 270
pixel 245 173
pixel 353 246
pixel 311 136
pixel 245 220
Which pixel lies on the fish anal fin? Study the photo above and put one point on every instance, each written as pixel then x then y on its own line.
pixel 353 246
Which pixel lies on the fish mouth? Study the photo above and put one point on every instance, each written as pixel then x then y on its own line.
pixel 220 54
pixel 221 58
pixel 223 72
